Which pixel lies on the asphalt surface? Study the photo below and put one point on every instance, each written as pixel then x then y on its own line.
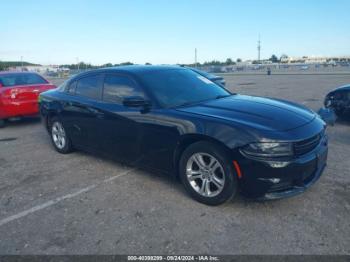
pixel 86 204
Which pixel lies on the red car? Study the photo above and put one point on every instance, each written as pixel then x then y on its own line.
pixel 19 93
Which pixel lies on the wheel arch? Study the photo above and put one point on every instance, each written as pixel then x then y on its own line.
pixel 186 140
pixel 47 118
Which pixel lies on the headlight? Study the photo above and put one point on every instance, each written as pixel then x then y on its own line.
pixel 269 149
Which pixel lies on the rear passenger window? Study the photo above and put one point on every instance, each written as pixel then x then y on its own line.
pixel 116 88
pixel 89 87
pixel 71 87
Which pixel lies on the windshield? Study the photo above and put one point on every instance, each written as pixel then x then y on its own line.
pixel 176 87
pixel 21 79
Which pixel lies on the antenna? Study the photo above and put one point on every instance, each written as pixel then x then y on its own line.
pixel 259 48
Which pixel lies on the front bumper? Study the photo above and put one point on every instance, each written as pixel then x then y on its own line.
pixel 267 180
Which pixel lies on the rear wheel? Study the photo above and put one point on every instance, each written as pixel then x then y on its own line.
pixel 2 123
pixel 59 137
pixel 207 174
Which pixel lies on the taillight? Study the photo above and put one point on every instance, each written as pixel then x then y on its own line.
pixel 7 93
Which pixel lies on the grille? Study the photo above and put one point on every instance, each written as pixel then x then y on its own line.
pixel 307 145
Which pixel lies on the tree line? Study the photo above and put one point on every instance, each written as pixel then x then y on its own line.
pixel 5 65
pixel 82 65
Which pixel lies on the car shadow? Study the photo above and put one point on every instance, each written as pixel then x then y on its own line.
pixel 169 180
pixel 24 121
pixel 164 177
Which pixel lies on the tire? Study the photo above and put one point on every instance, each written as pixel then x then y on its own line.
pixel 2 123
pixel 202 154
pixel 59 137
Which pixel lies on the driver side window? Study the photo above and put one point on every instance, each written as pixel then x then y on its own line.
pixel 117 87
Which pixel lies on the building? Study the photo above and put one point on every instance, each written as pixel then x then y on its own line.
pixel 315 59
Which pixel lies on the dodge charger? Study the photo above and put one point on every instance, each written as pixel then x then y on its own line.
pixel 173 120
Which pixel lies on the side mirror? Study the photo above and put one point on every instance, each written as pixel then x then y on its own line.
pixel 135 101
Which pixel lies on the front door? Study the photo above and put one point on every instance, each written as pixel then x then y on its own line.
pixel 120 129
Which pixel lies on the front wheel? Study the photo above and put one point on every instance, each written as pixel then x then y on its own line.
pixel 207 174
pixel 59 137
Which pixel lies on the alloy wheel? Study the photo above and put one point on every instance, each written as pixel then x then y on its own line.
pixel 58 135
pixel 205 174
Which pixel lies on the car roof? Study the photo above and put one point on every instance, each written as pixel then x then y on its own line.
pixel 132 69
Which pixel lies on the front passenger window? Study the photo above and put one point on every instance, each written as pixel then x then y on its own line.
pixel 116 88
pixel 89 87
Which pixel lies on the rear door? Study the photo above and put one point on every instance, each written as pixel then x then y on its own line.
pixel 80 112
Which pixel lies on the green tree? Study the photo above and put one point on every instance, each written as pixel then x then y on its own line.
pixel 229 61
pixel 239 60
pixel 274 59
pixel 126 63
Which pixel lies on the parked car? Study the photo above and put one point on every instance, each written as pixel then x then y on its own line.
pixel 19 94
pixel 339 100
pixel 216 79
pixel 174 120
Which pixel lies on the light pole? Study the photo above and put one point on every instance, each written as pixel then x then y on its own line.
pixel 259 49
pixel 21 63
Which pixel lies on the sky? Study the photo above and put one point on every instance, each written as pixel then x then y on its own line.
pixel 168 31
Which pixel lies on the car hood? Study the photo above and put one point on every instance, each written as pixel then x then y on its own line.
pixel 257 112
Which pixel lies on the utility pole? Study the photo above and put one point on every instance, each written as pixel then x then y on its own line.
pixel 195 57
pixel 21 63
pixel 259 49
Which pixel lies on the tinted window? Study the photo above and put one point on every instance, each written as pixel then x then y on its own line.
pixel 117 87
pixel 175 87
pixel 89 87
pixel 21 79
pixel 71 87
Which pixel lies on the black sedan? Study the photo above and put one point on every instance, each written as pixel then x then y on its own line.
pixel 215 78
pixel 174 120
pixel 339 100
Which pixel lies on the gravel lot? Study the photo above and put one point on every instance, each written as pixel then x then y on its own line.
pixel 86 204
